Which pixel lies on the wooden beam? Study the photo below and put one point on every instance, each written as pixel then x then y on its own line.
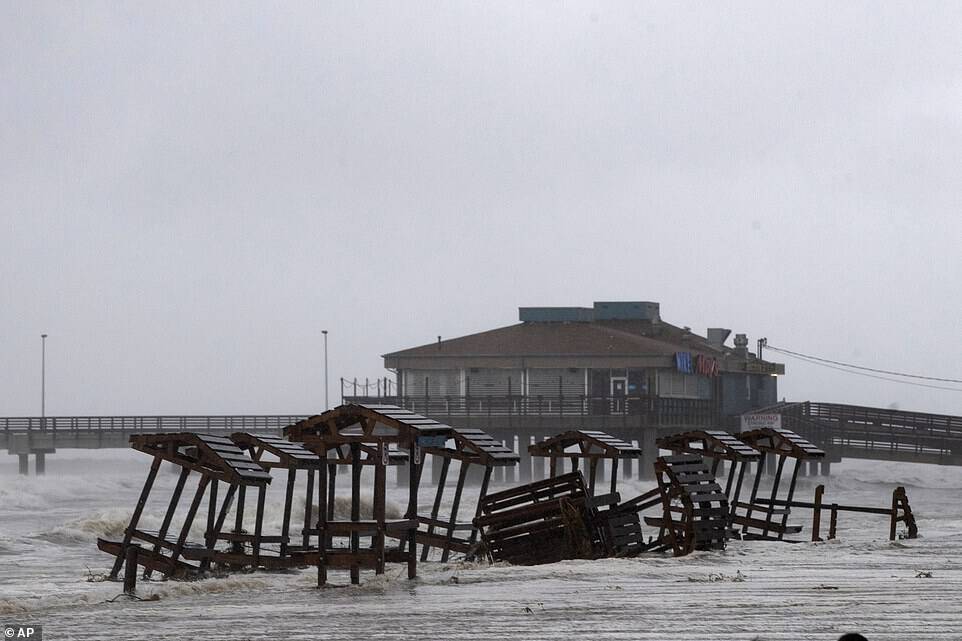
pixel 435 509
pixel 288 505
pixel 135 518
pixel 171 508
pixel 455 506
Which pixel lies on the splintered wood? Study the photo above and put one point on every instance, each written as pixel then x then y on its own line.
pixel 541 522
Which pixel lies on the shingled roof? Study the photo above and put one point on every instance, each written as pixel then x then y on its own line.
pixel 601 338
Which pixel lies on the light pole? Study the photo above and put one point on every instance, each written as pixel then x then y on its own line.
pixel 327 405
pixel 43 382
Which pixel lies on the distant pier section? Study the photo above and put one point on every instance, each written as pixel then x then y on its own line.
pixel 38 436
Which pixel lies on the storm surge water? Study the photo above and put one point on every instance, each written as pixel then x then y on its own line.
pixel 51 574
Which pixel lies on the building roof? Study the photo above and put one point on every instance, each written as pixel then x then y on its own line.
pixel 619 332
pixel 599 338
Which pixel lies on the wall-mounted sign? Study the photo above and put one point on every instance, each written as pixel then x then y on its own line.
pixel 707 366
pixel 763 367
pixel 759 421
pixel 704 365
pixel 683 363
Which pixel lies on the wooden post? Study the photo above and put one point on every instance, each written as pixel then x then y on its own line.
pixel 730 480
pixel 477 512
pixel 738 486
pixel 321 518
pixel 288 505
pixel 237 546
pixel 817 514
pixel 412 512
pixel 171 508
pixel 259 524
pixel 751 501
pixel 592 472
pixel 331 485
pixel 435 509
pixel 130 571
pixel 788 500
pixel 893 519
pixel 211 511
pixel 455 506
pixel 189 520
pixel 128 533
pixel 834 521
pixel 380 480
pixel 219 525
pixel 355 510
pixel 771 502
pixel 614 475
pixel 309 506
pixel 210 534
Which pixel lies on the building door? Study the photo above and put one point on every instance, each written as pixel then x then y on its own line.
pixel 619 389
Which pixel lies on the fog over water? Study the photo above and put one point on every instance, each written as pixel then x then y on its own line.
pixel 191 193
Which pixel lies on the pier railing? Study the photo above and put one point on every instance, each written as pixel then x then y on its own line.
pixel 240 423
pixel 869 432
pixel 657 410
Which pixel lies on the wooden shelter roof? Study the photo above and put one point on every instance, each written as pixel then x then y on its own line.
pixel 290 455
pixel 368 454
pixel 214 456
pixel 780 441
pixel 591 443
pixel 474 446
pixel 710 443
pixel 353 423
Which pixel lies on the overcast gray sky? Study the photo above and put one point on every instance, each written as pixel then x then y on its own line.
pixel 190 193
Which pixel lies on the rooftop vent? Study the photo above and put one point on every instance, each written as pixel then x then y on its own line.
pixel 616 310
pixel 627 311
pixel 741 345
pixel 555 314
pixel 718 335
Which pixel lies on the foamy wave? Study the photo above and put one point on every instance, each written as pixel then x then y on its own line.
pixel 214 585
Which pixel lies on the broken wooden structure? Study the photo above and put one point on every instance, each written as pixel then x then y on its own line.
pixel 585 445
pixel 468 447
pixel 767 520
pixel 275 453
pixel 216 460
pixel 718 446
pixel 694 509
pixel 541 522
pixel 363 435
pixel 899 512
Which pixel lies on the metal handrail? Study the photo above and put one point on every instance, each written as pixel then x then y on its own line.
pixel 160 423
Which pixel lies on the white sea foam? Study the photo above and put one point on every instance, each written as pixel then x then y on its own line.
pixel 787 592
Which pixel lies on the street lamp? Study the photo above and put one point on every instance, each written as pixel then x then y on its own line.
pixel 43 381
pixel 327 405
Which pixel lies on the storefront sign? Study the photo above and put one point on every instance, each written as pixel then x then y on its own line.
pixel 703 365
